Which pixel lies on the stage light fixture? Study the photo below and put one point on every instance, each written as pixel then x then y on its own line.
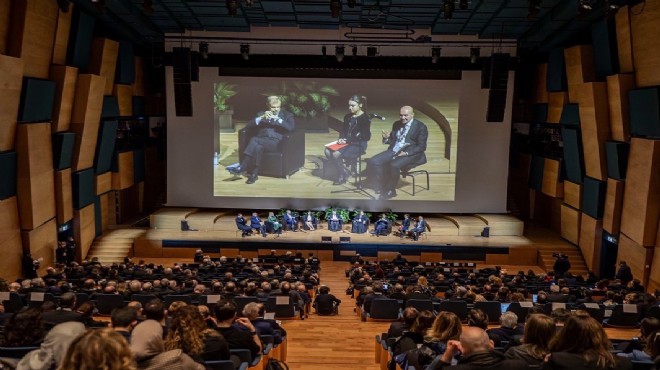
pixel 232 7
pixel 448 7
pixel 339 53
pixel 372 51
pixel 354 51
pixel 204 50
pixel 584 7
pixel 245 51
pixel 613 6
pixel 351 3
pixel 64 5
pixel 474 55
pixel 435 54
pixel 533 9
pixel 335 8
pixel 463 4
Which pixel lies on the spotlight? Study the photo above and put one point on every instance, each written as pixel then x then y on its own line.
pixel 339 53
pixel 448 9
pixel 435 54
pixel 534 8
pixel 245 51
pixel 335 8
pixel 354 51
pixel 613 7
pixel 463 4
pixel 372 51
pixel 584 7
pixel 204 50
pixel 474 55
pixel 324 50
pixel 351 3
pixel 232 7
pixel 148 6
pixel 64 5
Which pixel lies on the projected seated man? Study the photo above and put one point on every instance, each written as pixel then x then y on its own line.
pixel 241 224
pixel 420 227
pixel 359 223
pixel 406 146
pixel 334 221
pixel 290 220
pixel 267 130
pixel 381 226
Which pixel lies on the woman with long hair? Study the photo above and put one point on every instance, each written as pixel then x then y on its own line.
pixel 539 330
pixel 447 326
pixel 354 136
pixel 24 329
pixel 189 333
pixel 583 344
pixel 99 349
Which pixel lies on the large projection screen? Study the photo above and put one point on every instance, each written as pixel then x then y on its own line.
pixel 467 157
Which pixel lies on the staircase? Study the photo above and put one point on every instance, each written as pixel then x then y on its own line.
pixel 578 265
pixel 114 245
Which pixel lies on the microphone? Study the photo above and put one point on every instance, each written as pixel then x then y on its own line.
pixel 374 115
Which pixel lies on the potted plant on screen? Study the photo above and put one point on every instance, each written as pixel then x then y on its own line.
pixel 309 102
pixel 223 112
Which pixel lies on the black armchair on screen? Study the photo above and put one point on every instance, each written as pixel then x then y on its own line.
pixel 289 157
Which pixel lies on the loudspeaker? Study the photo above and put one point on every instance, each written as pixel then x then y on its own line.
pixel 499 71
pixel 486 232
pixel 344 239
pixel 182 88
pixel 496 104
pixel 326 239
pixel 8 175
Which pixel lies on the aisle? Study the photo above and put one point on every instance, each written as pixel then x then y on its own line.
pixel 333 342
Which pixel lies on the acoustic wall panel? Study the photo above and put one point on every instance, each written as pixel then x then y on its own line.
pixel 110 107
pixel 645 112
pixel 63 196
pixel 37 100
pixel 10 239
pixel 139 106
pixel 86 119
pixel 83 188
pixel 573 194
pixel 61 43
pixel 139 83
pixel 63 149
pixel 11 83
pixel 123 177
pixel 595 127
pixel 591 238
pixel 641 199
pixel 556 78
pixel 604 42
pixel 98 222
pixel 552 178
pixel 618 87
pixel 579 68
pixel 42 242
pixel 8 175
pixel 593 197
pixel 573 162
pixel 570 224
pixel 105 147
pixel 556 102
pixel 540 113
pixel 103 183
pixel 124 99
pixel 624 40
pixel 636 256
pixel 570 115
pixel 35 177
pixel 32 28
pixel 125 73
pixel 65 88
pixel 535 180
pixel 613 206
pixel 644 26
pixel 617 159
pixel 84 230
pixel 103 61
pixel 5 7
pixel 80 40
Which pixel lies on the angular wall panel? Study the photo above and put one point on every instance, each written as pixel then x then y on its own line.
pixel 644 26
pixel 86 119
pixel 617 159
pixel 636 257
pixel 125 73
pixel 80 40
pixel 641 199
pixel 573 161
pixel 84 230
pixel 37 100
pixel 570 224
pixel 552 182
pixel 138 85
pixel 573 194
pixel 570 115
pixel 10 239
pixel 579 68
pixel 645 112
pixel 5 7
pixel 124 96
pixel 556 102
pixel 593 197
pixel 63 149
pixel 618 87
pixel 595 126
pixel 103 61
pixel 62 32
pixel 624 40
pixel 103 183
pixel 123 177
pixel 42 242
pixel 603 38
pixel 535 180
pixel 32 33
pixel 65 80
pixel 110 107
pixel 11 83
pixel 556 80
pixel 105 148
pixel 63 196
pixel 613 206
pixel 83 188
pixel 591 237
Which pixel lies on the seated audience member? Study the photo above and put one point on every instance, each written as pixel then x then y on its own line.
pixel 64 313
pixel 508 331
pixel 241 224
pixel 326 303
pixel 560 315
pixel 477 353
pixel 199 256
pixel 254 312
pixel 407 320
pixel 86 312
pixel 149 349
pixel 539 330
pixel 231 328
pixel 413 338
pixel 98 349
pixel 52 350
pixel 583 344
pixel 478 318
pixel 123 320
pixel 155 310
pixel 381 226
pixel 360 223
pixel 650 351
pixel 371 294
pixel 189 333
pixel 447 326
pixel 206 315
pixel 23 329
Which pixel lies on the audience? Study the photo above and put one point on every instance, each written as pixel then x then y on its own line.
pixel 52 350
pixel 24 329
pixel 233 329
pixel 189 333
pixel 123 320
pixel 326 303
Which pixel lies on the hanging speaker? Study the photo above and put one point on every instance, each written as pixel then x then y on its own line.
pixel 182 76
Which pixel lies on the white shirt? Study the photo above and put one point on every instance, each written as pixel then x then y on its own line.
pixel 401 137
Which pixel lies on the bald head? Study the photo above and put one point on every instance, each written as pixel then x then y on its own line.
pixel 406 114
pixel 474 339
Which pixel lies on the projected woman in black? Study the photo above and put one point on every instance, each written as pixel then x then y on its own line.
pixel 353 138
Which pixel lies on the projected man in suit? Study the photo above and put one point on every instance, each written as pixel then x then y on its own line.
pixel 406 147
pixel 267 130
pixel 241 224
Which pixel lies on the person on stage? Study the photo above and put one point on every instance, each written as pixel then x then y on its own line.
pixel 274 223
pixel 381 226
pixel 359 223
pixel 405 226
pixel 406 146
pixel 353 138
pixel 267 129
pixel 310 220
pixel 420 227
pixel 334 222
pixel 241 224
pixel 255 224
pixel 290 221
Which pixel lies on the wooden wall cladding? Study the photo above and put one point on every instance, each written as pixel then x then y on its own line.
pixel 11 83
pixel 4 25
pixel 103 61
pixel 65 79
pixel 103 183
pixel 10 239
pixel 541 83
pixel 641 199
pixel 572 194
pixel 84 230
pixel 86 119
pixel 595 126
pixel 579 68
pixel 624 40
pixel 41 242
pixel 556 101
pixel 552 185
pixel 104 200
pixel 9 223
pixel 654 279
pixel 644 23
pixel 63 196
pixel 636 257
pixel 124 94
pixel 591 235
pixel 35 175
pixel 32 30
pixel 138 85
pixel 613 206
pixel 62 31
pixel 123 179
pixel 570 224
pixel 618 87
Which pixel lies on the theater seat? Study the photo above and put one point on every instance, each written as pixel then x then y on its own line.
pixel 289 158
pixel 384 309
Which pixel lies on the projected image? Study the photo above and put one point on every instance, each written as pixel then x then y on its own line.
pixel 335 138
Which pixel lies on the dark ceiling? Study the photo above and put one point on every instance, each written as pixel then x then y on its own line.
pixel 555 21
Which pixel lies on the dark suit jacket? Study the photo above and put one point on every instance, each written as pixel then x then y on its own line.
pixel 241 223
pixel 405 224
pixel 53 318
pixel 272 128
pixel 255 222
pixel 416 139
pixel 420 226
